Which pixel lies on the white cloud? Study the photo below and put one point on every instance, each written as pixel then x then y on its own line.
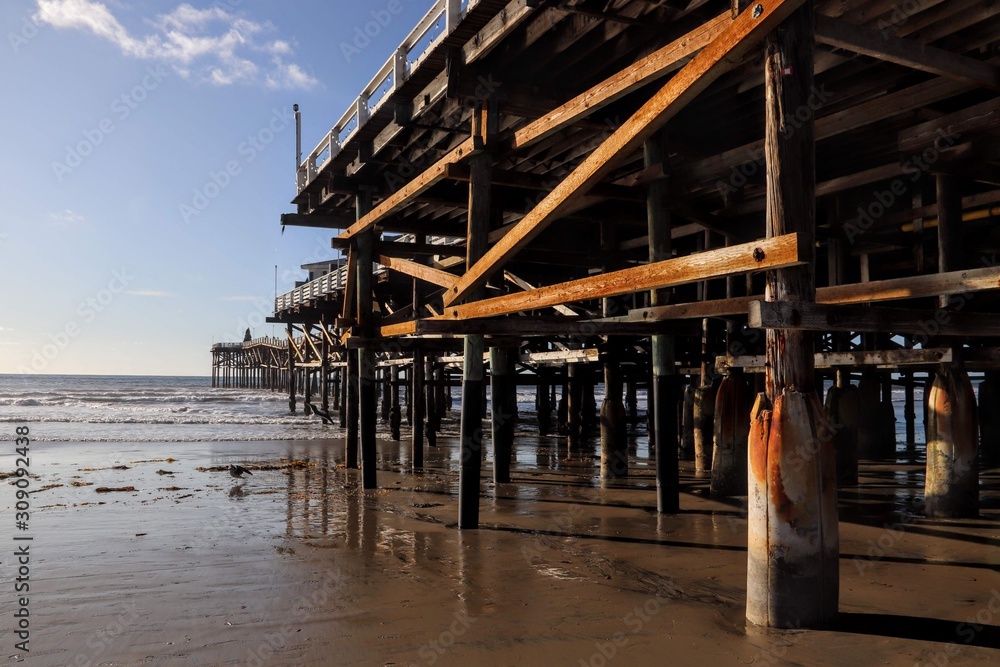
pixel 66 217
pixel 211 45
pixel 241 298
pixel 150 292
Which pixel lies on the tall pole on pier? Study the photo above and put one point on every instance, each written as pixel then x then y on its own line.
pixel 367 403
pixel 480 215
pixel 793 543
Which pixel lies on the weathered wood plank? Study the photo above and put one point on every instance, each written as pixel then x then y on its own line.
pixel 893 289
pixel 533 326
pixel 397 200
pixel 823 317
pixel 323 221
pixel 719 56
pixel 945 131
pixel 426 273
pixel 772 253
pixel 878 358
pixel 906 52
pixel 650 68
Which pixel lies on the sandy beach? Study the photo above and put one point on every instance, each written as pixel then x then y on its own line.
pixel 296 565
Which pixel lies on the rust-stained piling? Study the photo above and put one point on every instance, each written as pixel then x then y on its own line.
pixel 793 543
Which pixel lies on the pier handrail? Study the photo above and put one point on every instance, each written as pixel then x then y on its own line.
pixel 337 279
pixel 397 69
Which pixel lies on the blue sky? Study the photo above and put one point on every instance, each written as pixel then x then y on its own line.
pixel 147 153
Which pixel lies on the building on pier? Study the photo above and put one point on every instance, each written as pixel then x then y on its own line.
pixel 747 197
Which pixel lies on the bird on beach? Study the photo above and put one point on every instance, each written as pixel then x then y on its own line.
pixel 237 471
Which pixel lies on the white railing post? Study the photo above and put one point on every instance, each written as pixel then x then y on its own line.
pixel 453 15
pixel 362 111
pixel 399 72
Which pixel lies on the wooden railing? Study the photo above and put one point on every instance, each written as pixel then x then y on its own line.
pixel 444 15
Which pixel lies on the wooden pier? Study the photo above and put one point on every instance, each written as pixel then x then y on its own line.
pixel 741 198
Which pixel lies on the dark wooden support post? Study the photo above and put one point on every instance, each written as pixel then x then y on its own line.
pixel 687 422
pixel 479 221
pixel 415 382
pixel 352 436
pixel 574 404
pixel 951 253
pixel 291 369
pixel 344 384
pixel 544 400
pixel 614 433
pixel 733 404
pixel 793 544
pixel 441 395
pixel 367 390
pixel 384 384
pixel 416 402
pixel 843 410
pixel 989 420
pixel 909 412
pixel 408 403
pixel 429 397
pixel 614 437
pixel 307 373
pixel 951 486
pixel 395 411
pixel 503 386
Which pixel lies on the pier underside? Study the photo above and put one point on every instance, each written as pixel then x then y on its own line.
pixel 731 208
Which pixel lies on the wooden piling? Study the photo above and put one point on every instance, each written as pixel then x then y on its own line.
pixel 704 424
pixel 480 216
pixel 543 399
pixel 416 390
pixel 870 420
pixel 574 405
pixel 989 420
pixel 395 412
pixel 291 370
pixel 353 433
pixel 793 544
pixel 503 404
pixel 368 405
pixel 614 436
pixel 663 396
pixel 733 403
pixel 687 423
pixel 843 410
pixel 952 480
pixel 432 416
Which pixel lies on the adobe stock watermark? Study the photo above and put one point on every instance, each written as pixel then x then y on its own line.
pixel 634 621
pixel 366 33
pixel 247 151
pixel 914 168
pixel 741 174
pixel 99 641
pixel 432 651
pixel 967 631
pixel 28 31
pixel 121 108
pixel 87 311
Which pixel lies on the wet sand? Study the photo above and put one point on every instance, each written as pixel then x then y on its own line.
pixel 299 566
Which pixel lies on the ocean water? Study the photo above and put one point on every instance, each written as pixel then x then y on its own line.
pixel 92 408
